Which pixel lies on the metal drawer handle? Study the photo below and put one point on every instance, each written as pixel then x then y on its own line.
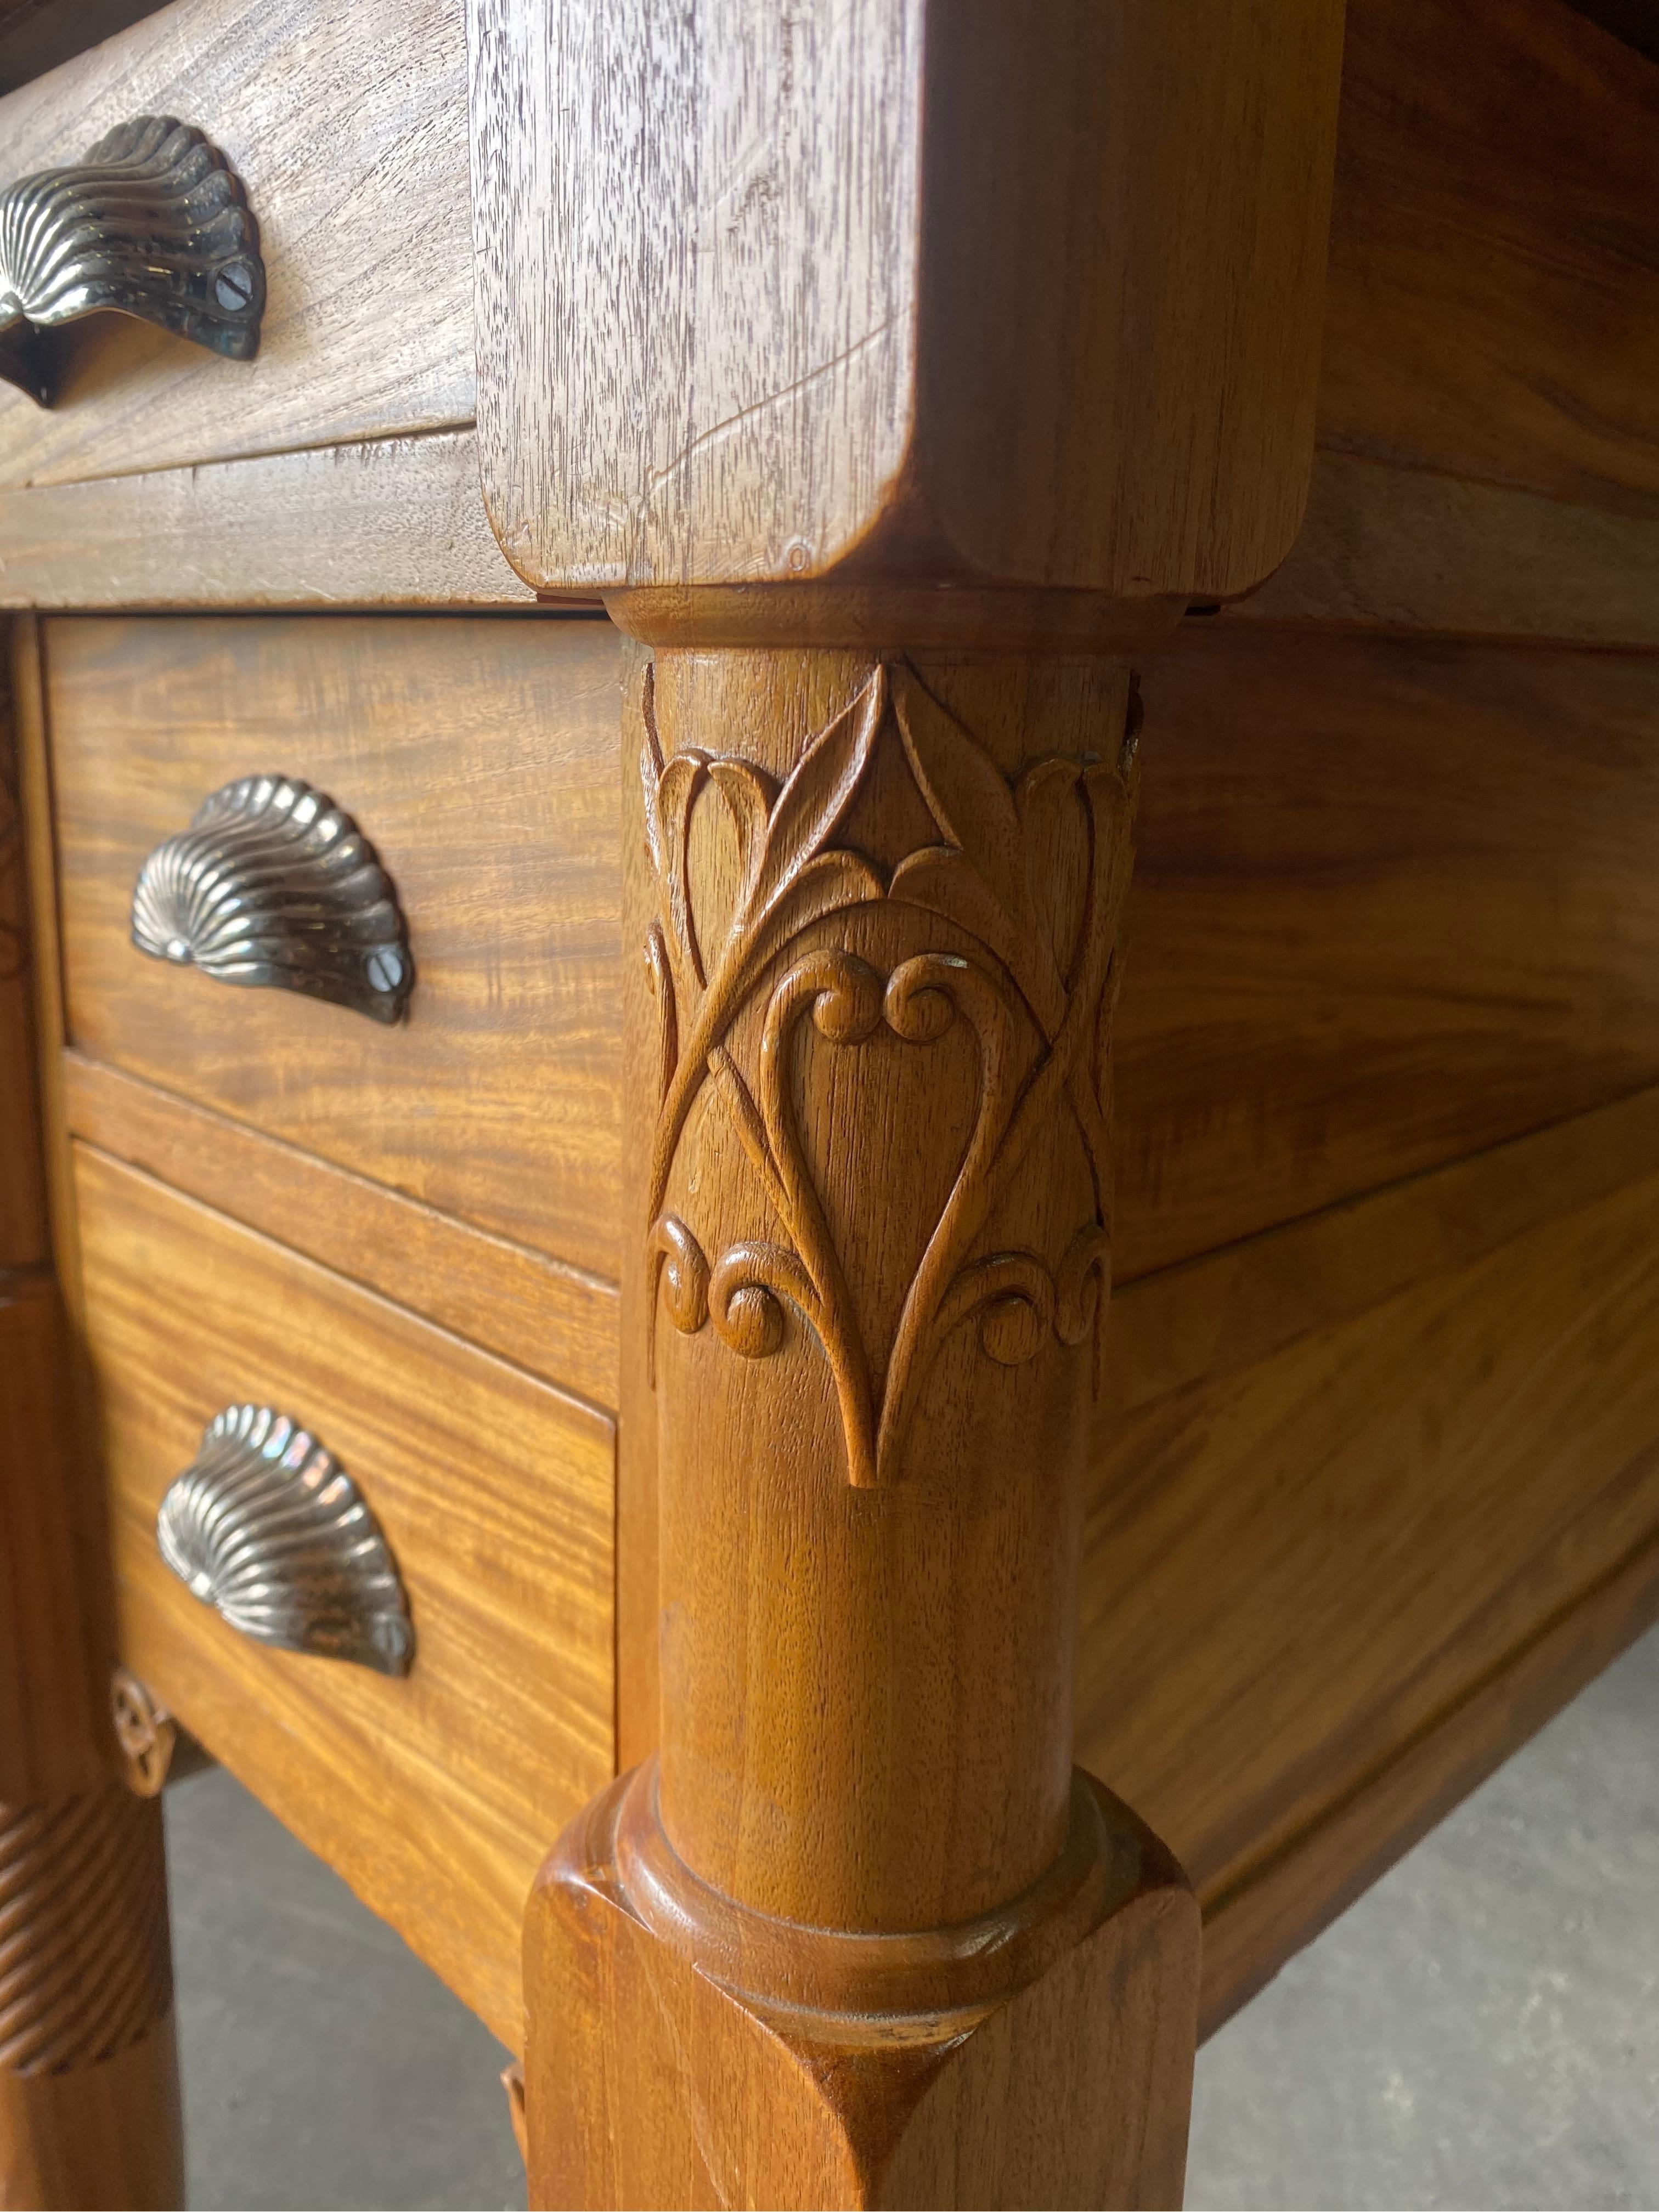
pixel 273 884
pixel 153 223
pixel 268 1527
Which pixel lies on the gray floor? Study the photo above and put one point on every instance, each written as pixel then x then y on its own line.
pixel 1481 2029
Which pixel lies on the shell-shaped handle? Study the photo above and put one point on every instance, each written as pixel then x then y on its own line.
pixel 268 1527
pixel 273 884
pixel 153 223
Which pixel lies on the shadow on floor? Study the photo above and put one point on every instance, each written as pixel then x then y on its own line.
pixel 324 2065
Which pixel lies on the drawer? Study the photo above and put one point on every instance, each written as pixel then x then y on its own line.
pixel 435 1796
pixel 348 129
pixel 478 756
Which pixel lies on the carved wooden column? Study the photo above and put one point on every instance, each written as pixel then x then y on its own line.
pixel 89 2111
pixel 898 374
pixel 862 1889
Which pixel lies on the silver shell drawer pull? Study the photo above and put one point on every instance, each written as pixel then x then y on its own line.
pixel 153 223
pixel 273 884
pixel 268 1527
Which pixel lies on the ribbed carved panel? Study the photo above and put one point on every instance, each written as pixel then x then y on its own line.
pixel 85 1965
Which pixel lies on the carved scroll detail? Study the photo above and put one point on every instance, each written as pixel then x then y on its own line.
pixel 84 1963
pixel 1034 1016
pixel 146 1732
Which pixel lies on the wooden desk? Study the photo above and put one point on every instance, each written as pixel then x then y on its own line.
pixel 935 454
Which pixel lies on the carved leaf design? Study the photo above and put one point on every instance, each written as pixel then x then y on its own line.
pixel 750 793
pixel 1035 876
pixel 650 774
pixel 810 805
pixel 826 885
pixel 790 881
pixel 1054 830
pixel 659 979
pixel 676 791
pixel 979 876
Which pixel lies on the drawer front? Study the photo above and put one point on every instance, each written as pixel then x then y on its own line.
pixel 347 127
pixel 437 1795
pixel 479 757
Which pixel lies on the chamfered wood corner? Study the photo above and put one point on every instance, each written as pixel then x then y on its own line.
pixel 681 2051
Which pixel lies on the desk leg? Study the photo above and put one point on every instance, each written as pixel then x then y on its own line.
pixel 90 2112
pixel 859 1933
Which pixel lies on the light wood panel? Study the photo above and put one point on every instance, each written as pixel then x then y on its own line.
pixel 1394 902
pixel 1491 308
pixel 1488 427
pixel 818 294
pixel 392 521
pixel 1486 419
pixel 400 522
pixel 23 1235
pixel 1296 1567
pixel 435 1796
pixel 1231 1308
pixel 479 758
pixel 1278 1906
pixel 347 128
pixel 555 1320
pixel 1402 549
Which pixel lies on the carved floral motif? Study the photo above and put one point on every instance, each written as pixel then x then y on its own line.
pixel 1036 1016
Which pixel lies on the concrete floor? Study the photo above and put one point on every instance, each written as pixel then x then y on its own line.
pixel 1481 2029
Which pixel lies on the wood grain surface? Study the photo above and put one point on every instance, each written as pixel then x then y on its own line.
pixel 479 758
pixel 1402 549
pixel 1492 309
pixel 1488 434
pixel 715 354
pixel 433 1796
pixel 54 1731
pixel 862 1099
pixel 109 2135
pixel 35 35
pixel 391 522
pixel 1296 1566
pixel 23 1231
pixel 89 2106
pixel 1393 905
pixel 667 2084
pixel 1472 306
pixel 347 128
pixel 860 1935
pixel 399 522
pixel 54 1586
pixel 557 1322
pixel 1282 1904
pixel 817 295
pixel 1394 902
pixel 33 763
